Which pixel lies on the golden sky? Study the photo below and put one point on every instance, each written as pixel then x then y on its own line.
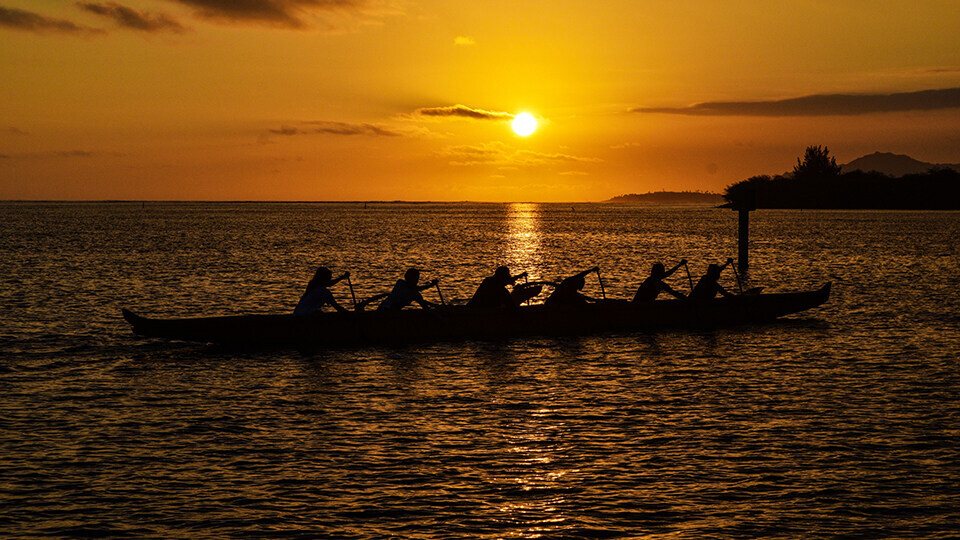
pixel 412 99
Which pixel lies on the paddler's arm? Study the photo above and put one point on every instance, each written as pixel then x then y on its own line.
pixel 513 279
pixel 329 299
pixel 670 290
pixel 675 268
pixel 341 278
pixel 585 273
pixel 432 283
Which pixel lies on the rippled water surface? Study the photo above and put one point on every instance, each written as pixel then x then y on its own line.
pixel 840 422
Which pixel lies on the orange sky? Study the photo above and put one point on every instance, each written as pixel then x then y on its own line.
pixel 355 99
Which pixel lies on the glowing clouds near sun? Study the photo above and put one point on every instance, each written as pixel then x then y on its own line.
pixel 524 124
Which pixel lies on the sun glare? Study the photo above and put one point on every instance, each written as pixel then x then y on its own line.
pixel 524 124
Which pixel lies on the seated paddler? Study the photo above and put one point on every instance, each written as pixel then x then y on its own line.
pixel 317 294
pixel 567 293
pixel 708 287
pixel 406 292
pixel 493 293
pixel 651 287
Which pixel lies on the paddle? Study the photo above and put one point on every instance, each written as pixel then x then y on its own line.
pixel 440 294
pixel 689 277
pixel 600 279
pixel 350 284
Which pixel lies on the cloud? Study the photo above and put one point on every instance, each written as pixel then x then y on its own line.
pixel 498 153
pixel 29 21
pixel 335 128
pixel 462 111
pixel 13 130
pixel 822 105
pixel 464 41
pixel 284 13
pixel 132 19
pixel 59 154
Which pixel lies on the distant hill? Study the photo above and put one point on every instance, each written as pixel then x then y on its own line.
pixel 669 197
pixel 894 164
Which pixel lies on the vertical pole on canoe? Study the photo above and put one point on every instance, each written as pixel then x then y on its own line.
pixel 600 279
pixel 350 284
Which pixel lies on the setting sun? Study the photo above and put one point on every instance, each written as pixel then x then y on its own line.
pixel 524 124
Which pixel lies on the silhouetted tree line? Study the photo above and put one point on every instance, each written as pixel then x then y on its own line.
pixel 816 182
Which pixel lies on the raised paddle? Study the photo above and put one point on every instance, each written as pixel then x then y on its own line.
pixel 440 294
pixel 689 277
pixel 600 279
pixel 350 284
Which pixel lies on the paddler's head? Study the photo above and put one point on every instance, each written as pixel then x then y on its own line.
pixel 502 275
pixel 411 276
pixel 658 270
pixel 713 271
pixel 322 277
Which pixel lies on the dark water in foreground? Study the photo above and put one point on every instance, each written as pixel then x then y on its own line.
pixel 843 422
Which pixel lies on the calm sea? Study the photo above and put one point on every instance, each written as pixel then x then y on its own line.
pixel 840 422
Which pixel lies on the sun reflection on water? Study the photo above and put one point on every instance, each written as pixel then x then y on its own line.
pixel 522 242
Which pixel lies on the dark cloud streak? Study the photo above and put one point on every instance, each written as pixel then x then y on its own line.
pixel 462 111
pixel 285 13
pixel 28 21
pixel 133 19
pixel 822 105
pixel 335 128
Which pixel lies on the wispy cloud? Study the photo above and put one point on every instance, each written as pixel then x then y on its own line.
pixel 822 105
pixel 28 21
pixel 59 154
pixel 133 19
pixel 462 111
pixel 500 154
pixel 464 41
pixel 13 130
pixel 286 13
pixel 335 128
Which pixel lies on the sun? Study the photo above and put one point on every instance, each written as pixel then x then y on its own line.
pixel 524 124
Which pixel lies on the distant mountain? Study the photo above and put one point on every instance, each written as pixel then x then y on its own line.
pixel 894 164
pixel 669 197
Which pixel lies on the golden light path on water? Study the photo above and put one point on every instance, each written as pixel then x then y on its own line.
pixel 523 238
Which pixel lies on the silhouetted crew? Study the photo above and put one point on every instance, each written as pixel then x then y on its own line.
pixel 653 285
pixel 493 292
pixel 406 291
pixel 707 288
pixel 317 294
pixel 568 292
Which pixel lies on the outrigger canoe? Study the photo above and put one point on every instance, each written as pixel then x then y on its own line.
pixel 455 323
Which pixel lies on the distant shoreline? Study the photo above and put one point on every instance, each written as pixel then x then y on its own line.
pixel 670 198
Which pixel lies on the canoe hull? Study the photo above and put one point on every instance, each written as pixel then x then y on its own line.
pixel 454 323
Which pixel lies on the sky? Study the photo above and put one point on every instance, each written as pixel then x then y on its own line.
pixel 350 100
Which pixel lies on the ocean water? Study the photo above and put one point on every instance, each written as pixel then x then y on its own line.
pixel 842 422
